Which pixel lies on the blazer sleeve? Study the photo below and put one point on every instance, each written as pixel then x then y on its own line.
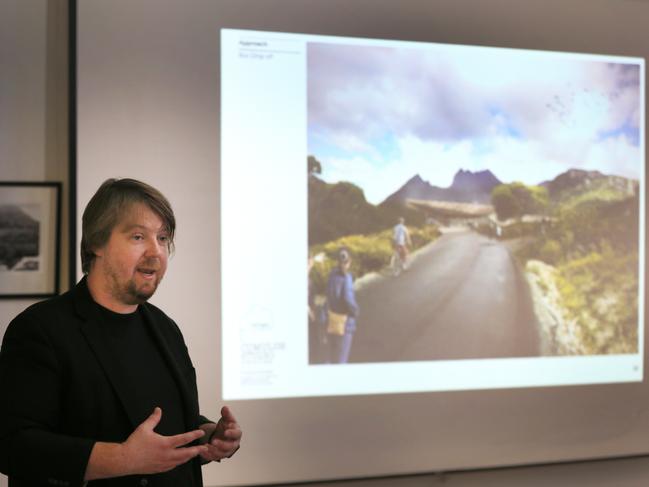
pixel 30 410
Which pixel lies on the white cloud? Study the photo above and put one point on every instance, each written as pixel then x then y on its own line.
pixel 615 155
pixel 450 92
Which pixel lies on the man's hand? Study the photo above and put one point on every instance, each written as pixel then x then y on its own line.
pixel 224 439
pixel 145 451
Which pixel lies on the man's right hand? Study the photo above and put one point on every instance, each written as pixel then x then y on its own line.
pixel 143 452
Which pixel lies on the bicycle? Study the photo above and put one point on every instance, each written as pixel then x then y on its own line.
pixel 398 260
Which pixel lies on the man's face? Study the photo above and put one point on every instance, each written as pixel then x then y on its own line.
pixel 132 263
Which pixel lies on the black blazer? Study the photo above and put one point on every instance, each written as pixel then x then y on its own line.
pixel 62 387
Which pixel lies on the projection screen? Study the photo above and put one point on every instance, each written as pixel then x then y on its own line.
pixel 527 268
pixel 511 333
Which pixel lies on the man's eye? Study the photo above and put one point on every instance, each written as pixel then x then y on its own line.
pixel 163 238
pixel 137 237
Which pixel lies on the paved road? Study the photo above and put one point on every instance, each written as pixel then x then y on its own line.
pixel 462 297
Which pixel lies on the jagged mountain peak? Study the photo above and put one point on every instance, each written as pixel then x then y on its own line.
pixel 416 179
pixel 467 186
pixel 482 178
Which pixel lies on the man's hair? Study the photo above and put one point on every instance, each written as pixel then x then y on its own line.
pixel 108 206
pixel 344 255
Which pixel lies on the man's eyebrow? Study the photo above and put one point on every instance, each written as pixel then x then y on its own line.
pixel 133 226
pixel 139 226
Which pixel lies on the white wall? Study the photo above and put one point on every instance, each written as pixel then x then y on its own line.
pixel 33 107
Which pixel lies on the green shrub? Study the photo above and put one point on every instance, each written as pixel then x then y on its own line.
pixel 593 242
pixel 600 292
pixel 370 253
pixel 551 252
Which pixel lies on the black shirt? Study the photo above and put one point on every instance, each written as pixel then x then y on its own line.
pixel 152 380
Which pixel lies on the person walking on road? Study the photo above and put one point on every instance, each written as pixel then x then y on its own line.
pixel 342 309
pixel 401 242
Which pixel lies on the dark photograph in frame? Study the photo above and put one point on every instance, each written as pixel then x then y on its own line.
pixel 30 214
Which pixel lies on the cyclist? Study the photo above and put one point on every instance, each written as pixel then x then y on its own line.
pixel 401 242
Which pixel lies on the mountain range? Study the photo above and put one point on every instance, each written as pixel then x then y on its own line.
pixel 467 187
pixel 476 187
pixel 574 182
pixel 339 209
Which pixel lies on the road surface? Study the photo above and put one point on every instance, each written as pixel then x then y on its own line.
pixel 463 297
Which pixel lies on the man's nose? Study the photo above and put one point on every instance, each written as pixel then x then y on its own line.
pixel 155 247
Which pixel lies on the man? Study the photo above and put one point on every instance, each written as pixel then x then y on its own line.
pixel 401 240
pixel 97 384
pixel 341 299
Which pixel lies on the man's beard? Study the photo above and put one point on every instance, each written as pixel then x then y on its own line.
pixel 128 293
pixel 132 295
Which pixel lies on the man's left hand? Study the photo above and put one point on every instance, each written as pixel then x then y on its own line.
pixel 224 437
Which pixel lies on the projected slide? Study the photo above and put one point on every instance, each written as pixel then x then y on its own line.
pixel 402 217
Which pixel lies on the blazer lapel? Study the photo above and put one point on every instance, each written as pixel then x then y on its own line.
pixel 189 405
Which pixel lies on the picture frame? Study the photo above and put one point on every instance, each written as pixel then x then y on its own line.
pixel 30 236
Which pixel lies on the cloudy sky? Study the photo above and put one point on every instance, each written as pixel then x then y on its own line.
pixel 380 115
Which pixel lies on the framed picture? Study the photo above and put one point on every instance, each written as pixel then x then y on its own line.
pixel 30 214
